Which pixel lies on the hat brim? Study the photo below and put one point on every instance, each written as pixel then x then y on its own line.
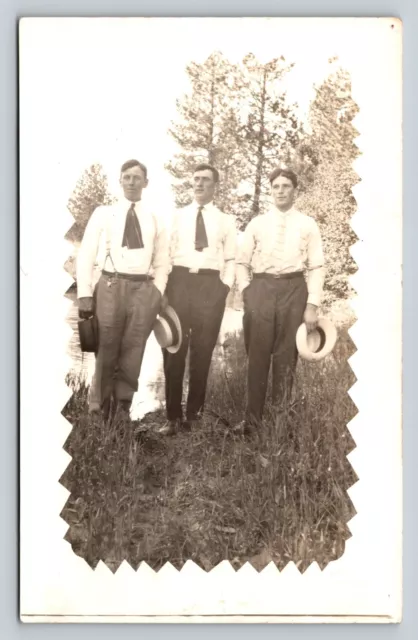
pixel 330 333
pixel 169 311
pixel 174 317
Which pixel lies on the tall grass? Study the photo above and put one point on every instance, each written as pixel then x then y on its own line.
pixel 208 495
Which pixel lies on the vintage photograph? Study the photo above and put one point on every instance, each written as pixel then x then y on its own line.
pixel 216 215
pixel 210 345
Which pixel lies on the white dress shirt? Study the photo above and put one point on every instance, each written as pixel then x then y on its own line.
pixel 277 242
pixel 221 234
pixel 104 229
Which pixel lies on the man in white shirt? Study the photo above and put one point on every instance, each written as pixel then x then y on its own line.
pixel 131 248
pixel 278 247
pixel 202 250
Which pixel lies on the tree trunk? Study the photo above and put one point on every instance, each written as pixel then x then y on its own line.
pixel 211 145
pixel 255 209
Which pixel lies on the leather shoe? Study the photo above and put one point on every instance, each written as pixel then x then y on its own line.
pixel 244 428
pixel 170 428
pixel 191 424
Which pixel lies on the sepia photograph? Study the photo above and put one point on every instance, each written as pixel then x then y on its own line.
pixel 205 172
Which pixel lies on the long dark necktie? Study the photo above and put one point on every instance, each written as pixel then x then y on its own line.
pixel 201 240
pixel 132 236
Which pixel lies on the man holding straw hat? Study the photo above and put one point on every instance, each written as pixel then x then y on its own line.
pixel 202 250
pixel 279 246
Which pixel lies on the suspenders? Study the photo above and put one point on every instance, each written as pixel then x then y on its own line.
pixel 108 240
pixel 108 243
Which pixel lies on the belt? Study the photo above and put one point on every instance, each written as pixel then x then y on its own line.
pixel 136 277
pixel 197 272
pixel 279 276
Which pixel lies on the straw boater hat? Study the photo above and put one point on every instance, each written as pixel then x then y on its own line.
pixel 167 330
pixel 318 343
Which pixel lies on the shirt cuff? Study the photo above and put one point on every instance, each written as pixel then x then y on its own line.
pixel 228 282
pixel 243 285
pixel 314 298
pixel 160 286
pixel 84 291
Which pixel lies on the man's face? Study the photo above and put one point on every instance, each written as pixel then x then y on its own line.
pixel 283 192
pixel 203 186
pixel 133 181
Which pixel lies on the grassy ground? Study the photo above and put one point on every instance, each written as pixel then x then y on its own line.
pixel 208 496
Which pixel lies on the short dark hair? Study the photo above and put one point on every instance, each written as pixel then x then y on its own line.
pixel 207 167
pixel 286 173
pixel 134 163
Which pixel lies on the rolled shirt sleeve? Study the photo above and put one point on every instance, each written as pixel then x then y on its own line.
pixel 315 265
pixel 230 247
pixel 244 256
pixel 161 258
pixel 87 253
pixel 173 238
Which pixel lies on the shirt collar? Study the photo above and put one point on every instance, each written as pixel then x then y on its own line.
pixel 206 207
pixel 126 204
pixel 274 211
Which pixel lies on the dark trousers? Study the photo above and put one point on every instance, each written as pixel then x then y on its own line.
pixel 199 301
pixel 126 312
pixel 273 312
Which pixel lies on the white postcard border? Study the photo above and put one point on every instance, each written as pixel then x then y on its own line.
pixel 365 584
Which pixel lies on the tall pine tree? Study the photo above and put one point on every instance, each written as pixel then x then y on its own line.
pixel 205 130
pixel 269 135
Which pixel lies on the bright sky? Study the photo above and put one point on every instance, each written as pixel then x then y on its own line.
pixel 107 88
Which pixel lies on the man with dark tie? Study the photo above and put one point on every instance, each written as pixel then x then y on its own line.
pixel 202 251
pixel 130 245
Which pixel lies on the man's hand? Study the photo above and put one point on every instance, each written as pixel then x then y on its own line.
pixel 164 303
pixel 85 308
pixel 310 317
